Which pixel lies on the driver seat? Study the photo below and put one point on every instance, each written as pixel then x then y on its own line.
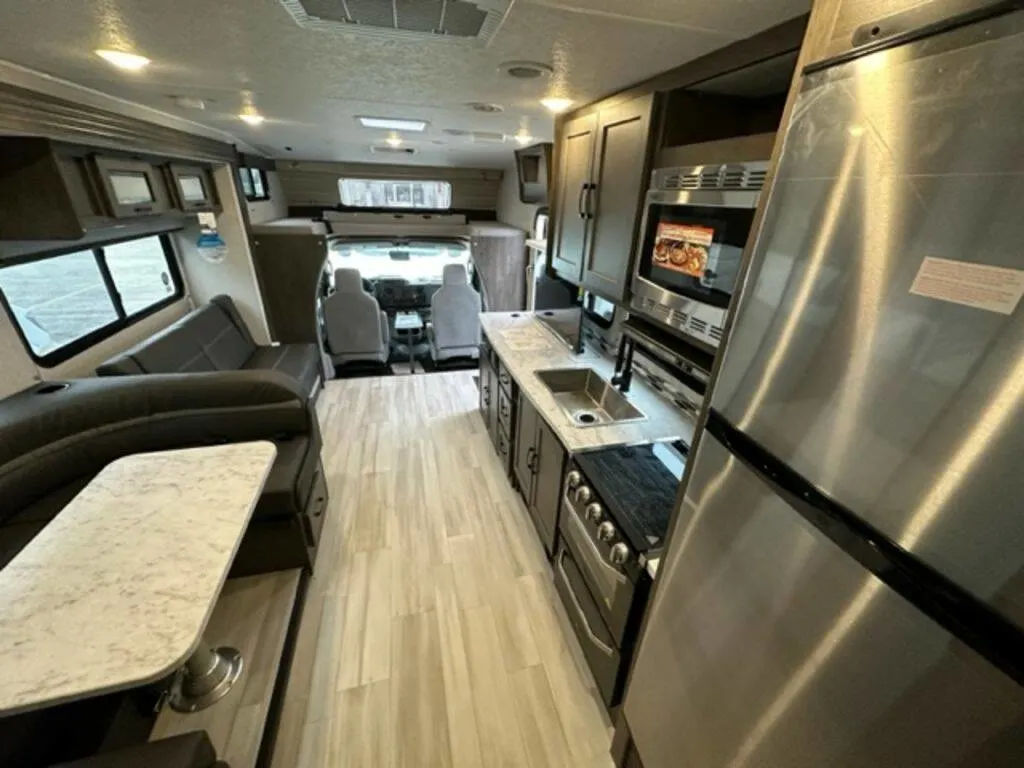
pixel 357 329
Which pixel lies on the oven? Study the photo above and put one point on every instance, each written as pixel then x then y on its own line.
pixel 696 223
pixel 601 582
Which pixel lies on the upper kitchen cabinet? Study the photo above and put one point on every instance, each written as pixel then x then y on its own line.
pixel 602 172
pixel 618 183
pixel 575 160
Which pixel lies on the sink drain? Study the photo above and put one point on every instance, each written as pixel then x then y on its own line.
pixel 586 417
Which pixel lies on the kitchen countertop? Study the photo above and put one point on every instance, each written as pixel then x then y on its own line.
pixel 116 591
pixel 525 345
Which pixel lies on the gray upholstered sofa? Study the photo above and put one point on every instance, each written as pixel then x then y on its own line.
pixel 214 338
pixel 56 436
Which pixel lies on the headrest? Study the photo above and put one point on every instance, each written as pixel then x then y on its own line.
pixel 348 280
pixel 454 274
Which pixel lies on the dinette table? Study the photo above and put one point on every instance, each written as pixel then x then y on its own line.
pixel 117 590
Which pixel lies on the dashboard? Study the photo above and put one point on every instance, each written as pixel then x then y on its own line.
pixel 395 293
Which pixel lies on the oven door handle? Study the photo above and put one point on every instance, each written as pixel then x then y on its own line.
pixel 606 649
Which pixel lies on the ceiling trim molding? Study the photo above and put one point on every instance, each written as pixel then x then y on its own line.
pixel 40 82
pixel 565 7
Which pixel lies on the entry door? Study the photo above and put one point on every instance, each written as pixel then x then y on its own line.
pixel 575 157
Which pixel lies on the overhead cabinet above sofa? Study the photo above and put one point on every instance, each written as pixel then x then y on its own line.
pixel 54 191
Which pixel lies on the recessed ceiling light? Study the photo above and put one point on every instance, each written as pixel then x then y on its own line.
pixel 523 138
pixel 393 124
pixel 525 70
pixel 129 61
pixel 393 141
pixel 252 117
pixel 556 103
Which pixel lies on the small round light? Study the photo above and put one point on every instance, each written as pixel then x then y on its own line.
pixel 252 118
pixel 393 140
pixel 556 103
pixel 128 61
pixel 522 138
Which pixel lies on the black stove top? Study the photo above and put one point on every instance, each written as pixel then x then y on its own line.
pixel 638 487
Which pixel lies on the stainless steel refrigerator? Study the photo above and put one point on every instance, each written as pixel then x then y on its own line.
pixel 845 583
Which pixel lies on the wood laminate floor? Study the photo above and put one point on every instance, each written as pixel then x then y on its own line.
pixel 432 634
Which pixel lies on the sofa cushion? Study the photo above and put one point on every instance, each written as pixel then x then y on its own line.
pixel 290 480
pixel 300 361
pixel 219 338
pixel 176 350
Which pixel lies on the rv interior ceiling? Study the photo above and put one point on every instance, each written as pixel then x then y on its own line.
pixel 311 80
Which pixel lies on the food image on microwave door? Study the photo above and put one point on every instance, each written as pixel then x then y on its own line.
pixel 683 248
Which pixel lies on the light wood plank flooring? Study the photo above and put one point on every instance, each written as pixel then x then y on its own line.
pixel 432 634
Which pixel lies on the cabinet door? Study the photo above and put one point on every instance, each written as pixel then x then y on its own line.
pixel 616 197
pixel 526 447
pixel 575 156
pixel 547 494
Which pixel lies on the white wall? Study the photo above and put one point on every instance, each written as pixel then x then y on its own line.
pixel 510 210
pixel 236 275
pixel 274 208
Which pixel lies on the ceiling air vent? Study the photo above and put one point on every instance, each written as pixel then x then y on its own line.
pixel 385 150
pixel 487 137
pixel 472 22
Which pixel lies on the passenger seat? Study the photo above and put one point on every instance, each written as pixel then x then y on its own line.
pixel 357 329
pixel 455 310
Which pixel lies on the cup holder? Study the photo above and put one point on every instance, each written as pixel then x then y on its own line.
pixel 54 386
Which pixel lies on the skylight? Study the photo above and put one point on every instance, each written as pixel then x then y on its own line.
pixel 393 124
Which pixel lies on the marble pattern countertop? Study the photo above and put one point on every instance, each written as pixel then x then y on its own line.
pixel 117 590
pixel 525 345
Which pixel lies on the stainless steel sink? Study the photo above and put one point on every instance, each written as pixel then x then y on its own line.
pixel 587 399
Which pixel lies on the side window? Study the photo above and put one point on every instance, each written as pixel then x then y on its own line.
pixel 57 300
pixel 64 304
pixel 379 193
pixel 141 273
pixel 254 184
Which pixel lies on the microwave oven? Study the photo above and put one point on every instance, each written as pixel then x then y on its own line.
pixel 695 226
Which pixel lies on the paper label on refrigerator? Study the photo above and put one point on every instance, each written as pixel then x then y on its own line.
pixel 994 289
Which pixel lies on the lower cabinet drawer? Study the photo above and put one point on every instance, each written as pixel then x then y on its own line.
pixel 504 448
pixel 504 378
pixel 505 410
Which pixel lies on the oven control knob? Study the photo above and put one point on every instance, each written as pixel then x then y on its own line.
pixel 583 495
pixel 606 531
pixel 594 512
pixel 619 554
pixel 574 479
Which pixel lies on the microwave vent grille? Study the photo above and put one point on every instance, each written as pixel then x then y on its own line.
pixel 745 177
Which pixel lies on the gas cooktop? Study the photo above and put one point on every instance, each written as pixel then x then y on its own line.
pixel 638 487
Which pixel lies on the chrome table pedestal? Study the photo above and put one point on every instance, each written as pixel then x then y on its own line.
pixel 206 678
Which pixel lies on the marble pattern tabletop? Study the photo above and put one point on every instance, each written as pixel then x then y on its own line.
pixel 525 345
pixel 117 590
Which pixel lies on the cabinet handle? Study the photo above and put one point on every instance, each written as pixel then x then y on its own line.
pixel 579 201
pixel 534 461
pixel 591 188
pixel 529 459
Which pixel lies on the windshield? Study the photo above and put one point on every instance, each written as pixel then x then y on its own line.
pixel 415 261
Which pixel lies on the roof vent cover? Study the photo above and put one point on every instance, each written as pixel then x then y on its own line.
pixel 471 22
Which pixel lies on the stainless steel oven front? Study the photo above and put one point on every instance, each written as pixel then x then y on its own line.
pixel 695 226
